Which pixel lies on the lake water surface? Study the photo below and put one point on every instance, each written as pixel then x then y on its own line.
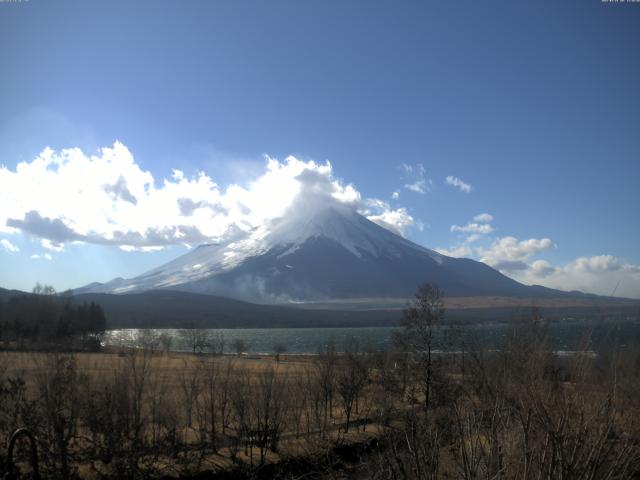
pixel 566 337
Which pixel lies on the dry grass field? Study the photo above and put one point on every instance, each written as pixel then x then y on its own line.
pixel 173 364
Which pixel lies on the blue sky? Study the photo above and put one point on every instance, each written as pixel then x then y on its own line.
pixel 534 105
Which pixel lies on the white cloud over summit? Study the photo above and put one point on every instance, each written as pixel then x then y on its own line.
pixel 107 198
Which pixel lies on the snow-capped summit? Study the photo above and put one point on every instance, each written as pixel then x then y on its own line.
pixel 342 225
pixel 326 253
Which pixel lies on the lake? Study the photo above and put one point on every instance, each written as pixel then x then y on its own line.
pixel 565 336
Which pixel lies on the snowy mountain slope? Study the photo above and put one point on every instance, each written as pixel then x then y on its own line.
pixel 329 254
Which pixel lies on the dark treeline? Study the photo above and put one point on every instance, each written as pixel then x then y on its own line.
pixel 44 320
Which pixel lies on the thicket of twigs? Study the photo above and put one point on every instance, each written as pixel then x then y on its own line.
pixel 521 412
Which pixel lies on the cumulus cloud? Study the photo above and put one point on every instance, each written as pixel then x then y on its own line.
pixel 542 268
pixel 458 183
pixel 475 231
pixel 599 274
pixel 107 198
pixel 395 195
pixel 483 218
pixel 380 212
pixel 473 238
pixel 602 263
pixel 8 246
pixel 509 254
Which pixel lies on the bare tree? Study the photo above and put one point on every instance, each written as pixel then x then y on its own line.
pixel 197 339
pixel 59 409
pixel 314 415
pixel 208 403
pixel 269 410
pixel 148 339
pixel 352 377
pixel 190 385
pixel 299 399
pixel 116 416
pixel 217 343
pixel 239 346
pixel 39 289
pixel 166 341
pixel 420 319
pixel 326 367
pixel 240 397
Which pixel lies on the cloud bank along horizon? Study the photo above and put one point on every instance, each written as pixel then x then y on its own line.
pixel 69 197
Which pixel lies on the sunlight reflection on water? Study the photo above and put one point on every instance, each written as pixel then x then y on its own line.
pixel 566 336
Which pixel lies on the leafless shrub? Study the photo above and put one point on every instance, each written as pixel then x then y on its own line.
pixel 116 414
pixel 416 339
pixel 166 341
pixel 197 340
pixel 209 404
pixel 326 367
pixel 189 380
pixel 15 410
pixel 148 340
pixel 239 346
pixel 352 377
pixel 217 343
pixel 269 410
pixel 57 410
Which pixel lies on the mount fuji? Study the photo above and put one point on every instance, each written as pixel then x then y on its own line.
pixel 331 253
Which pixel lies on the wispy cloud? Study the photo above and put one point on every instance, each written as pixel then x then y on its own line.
pixel 8 246
pixel 458 183
pixel 419 187
pixel 44 256
pixel 483 218
pixel 481 228
pixel 416 178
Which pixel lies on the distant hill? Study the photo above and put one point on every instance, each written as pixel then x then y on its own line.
pixel 176 309
pixel 6 294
